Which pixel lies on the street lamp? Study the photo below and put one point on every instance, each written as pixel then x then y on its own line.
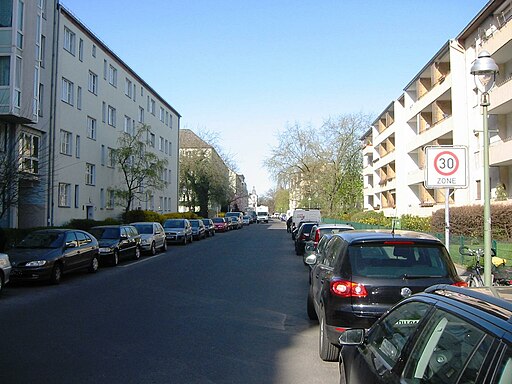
pixel 484 70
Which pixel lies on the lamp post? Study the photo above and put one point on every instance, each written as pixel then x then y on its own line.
pixel 484 70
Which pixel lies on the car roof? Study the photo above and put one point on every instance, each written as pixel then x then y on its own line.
pixel 348 226
pixel 375 235
pixel 144 222
pixel 494 301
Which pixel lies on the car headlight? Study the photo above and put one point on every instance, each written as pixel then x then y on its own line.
pixel 104 250
pixel 36 263
pixel 144 241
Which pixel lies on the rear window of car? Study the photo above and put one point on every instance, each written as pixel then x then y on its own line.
pixel 388 260
pixel 333 230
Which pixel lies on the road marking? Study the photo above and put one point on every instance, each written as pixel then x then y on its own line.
pixel 142 260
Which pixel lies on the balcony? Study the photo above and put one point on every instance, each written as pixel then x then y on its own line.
pixel 500 154
pixel 492 41
pixel 441 129
pixel 501 98
pixel 434 94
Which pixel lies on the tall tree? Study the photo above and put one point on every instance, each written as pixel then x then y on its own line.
pixel 142 169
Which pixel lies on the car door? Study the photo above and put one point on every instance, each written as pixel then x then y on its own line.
pixel 380 359
pixel 125 245
pixel 86 249
pixel 71 252
pixel 321 271
pixel 159 235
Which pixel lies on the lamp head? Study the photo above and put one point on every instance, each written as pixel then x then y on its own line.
pixel 484 70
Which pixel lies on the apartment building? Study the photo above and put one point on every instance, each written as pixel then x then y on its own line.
pixel 440 106
pixel 68 99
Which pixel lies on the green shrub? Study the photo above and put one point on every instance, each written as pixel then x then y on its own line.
pixel 140 215
pixel 180 215
pixel 415 223
pixel 372 218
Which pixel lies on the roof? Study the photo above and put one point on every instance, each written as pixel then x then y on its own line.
pixel 189 139
pixel 372 235
pixel 477 21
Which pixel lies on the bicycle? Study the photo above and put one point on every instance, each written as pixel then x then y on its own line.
pixel 475 278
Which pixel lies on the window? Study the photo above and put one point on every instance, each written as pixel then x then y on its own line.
pixel 64 195
pixel 111 116
pixel 152 140
pixel 112 76
pixel 162 115
pixel 93 83
pixel 6 14
pixel 105 69
pixel 141 115
pixel 103 154
pixel 90 174
pixel 391 333
pixel 17 82
pixel 40 101
pixel 128 88
pixel 79 97
pixel 81 50
pixel 102 198
pixel 93 50
pixel 19 35
pixel 65 142
pixel 42 54
pixel 29 153
pixel 69 41
pixel 77 146
pixel 128 126
pixel 91 128
pixel 110 200
pixel 77 195
pixel 161 144
pixel 166 147
pixel 449 350
pixel 152 107
pixel 166 118
pixel 67 91
pixel 5 70
pixel 110 158
pixel 104 112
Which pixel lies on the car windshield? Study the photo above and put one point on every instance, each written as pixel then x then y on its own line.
pixel 174 224
pixel 218 220
pixel 42 240
pixel 144 229
pixel 105 233
pixel 206 222
pixel 232 214
pixel 194 224
pixel 262 213
pixel 398 260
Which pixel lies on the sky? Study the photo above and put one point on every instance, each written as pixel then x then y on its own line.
pixel 245 69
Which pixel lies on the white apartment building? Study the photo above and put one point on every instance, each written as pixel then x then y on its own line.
pixel 73 115
pixel 440 106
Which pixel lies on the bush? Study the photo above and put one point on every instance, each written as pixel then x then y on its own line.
pixel 181 215
pixel 140 215
pixel 372 218
pixel 415 223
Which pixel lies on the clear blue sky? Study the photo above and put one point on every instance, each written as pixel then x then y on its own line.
pixel 246 69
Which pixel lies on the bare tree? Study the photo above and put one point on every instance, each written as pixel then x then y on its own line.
pixel 142 170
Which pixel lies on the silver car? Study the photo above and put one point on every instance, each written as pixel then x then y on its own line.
pixel 152 237
pixel 5 270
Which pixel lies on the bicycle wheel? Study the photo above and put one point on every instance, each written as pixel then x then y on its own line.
pixel 474 281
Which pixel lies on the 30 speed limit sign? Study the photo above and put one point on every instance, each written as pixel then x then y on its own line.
pixel 446 167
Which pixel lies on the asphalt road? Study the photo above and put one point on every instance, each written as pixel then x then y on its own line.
pixel 229 309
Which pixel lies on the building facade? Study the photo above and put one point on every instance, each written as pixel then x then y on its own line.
pixel 67 101
pixel 440 107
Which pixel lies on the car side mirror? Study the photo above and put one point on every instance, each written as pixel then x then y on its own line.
pixel 354 336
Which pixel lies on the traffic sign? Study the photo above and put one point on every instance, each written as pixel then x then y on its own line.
pixel 446 167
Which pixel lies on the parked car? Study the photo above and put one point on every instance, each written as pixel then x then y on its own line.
pixel 47 254
pixel 445 335
pixel 117 242
pixel 209 227
pixel 178 231
pixel 302 237
pixel 152 237
pixel 246 220
pixel 5 270
pixel 198 229
pixel 364 273
pixel 233 222
pixel 295 229
pixel 318 230
pixel 238 215
pixel 318 250
pixel 221 224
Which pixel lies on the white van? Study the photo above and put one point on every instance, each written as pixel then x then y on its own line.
pixel 306 215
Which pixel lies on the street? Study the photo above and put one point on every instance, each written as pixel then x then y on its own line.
pixel 227 309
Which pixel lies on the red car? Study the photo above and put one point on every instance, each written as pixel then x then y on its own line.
pixel 221 225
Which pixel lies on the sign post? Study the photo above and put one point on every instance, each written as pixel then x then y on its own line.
pixel 446 168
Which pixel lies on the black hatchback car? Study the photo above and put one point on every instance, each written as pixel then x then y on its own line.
pixel 445 335
pixel 49 253
pixel 364 273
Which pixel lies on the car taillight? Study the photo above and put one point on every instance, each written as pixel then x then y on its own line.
pixel 317 236
pixel 345 288
pixel 460 284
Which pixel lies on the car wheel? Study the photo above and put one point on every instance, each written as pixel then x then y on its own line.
pixel 164 246
pixel 137 253
pixel 328 351
pixel 311 307
pixel 115 258
pixel 56 275
pixel 343 375
pixel 95 263
pixel 153 249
